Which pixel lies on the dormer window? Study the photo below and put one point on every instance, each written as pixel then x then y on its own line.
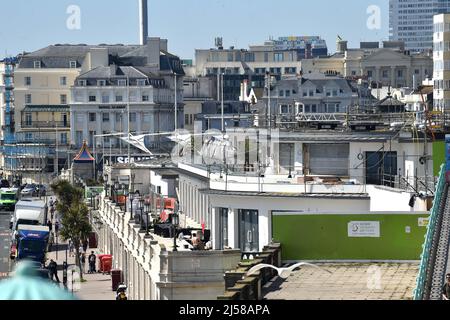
pixel 72 64
pixel 141 82
pixel 101 83
pixel 37 64
pixel 82 83
pixel 122 83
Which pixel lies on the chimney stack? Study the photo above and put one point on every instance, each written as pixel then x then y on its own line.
pixel 143 21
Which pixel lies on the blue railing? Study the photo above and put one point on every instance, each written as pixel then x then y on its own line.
pixel 427 246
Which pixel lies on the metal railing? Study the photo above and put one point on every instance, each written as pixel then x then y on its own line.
pixel 45 124
pixel 427 253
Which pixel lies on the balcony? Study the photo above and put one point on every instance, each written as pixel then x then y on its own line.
pixel 45 124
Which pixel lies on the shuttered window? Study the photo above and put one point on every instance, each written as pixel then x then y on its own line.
pixel 329 159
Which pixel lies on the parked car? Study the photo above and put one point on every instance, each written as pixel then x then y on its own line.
pixel 29 190
pixel 41 190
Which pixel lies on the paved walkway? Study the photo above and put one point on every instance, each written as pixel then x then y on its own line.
pixel 347 281
pixel 96 287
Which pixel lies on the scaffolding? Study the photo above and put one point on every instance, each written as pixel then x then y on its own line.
pixel 8 144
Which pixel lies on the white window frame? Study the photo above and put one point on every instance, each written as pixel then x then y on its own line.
pixel 37 64
pixel 73 64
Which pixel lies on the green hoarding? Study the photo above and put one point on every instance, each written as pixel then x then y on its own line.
pixel 328 237
pixel 438 156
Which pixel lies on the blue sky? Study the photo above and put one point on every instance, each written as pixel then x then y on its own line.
pixel 187 24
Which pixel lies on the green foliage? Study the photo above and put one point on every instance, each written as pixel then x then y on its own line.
pixel 74 214
pixel 67 195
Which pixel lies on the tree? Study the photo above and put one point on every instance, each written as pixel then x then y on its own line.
pixel 76 227
pixel 67 195
pixel 75 215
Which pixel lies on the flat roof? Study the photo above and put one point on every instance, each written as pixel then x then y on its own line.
pixel 353 196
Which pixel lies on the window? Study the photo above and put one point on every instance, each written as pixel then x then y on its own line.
pixel 28 136
pixel 281 93
pixel 73 64
pixel 353 73
pixel 79 138
pixel 101 83
pixel 416 71
pixel 141 82
pixel 63 99
pixel 145 98
pixel 186 119
pixel 28 99
pixel 92 98
pixel 122 83
pixel 400 74
pixel 91 137
pixel 370 73
pixel 28 81
pixel 278 57
pixel 230 56
pixel 37 64
pixel 92 117
pixel 105 117
pixel 119 98
pixel 63 138
pixel 311 93
pixel 288 93
pixel 82 83
pixel 118 117
pixel 105 99
pixel 133 117
pixel 28 119
pixel 63 81
pixel 385 74
pixel 335 93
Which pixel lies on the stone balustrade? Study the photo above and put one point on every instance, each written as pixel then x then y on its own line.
pixel 151 270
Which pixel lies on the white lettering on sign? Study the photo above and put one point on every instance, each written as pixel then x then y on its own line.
pixel 364 229
pixel 423 222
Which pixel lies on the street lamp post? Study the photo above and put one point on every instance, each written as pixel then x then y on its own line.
pixel 147 211
pixel 175 222
pixel 131 197
pixel 115 188
pixel 141 209
pixel 125 193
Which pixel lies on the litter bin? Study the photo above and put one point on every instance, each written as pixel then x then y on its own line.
pixel 116 277
pixel 100 265
pixel 106 264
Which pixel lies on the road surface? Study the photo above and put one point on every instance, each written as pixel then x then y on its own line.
pixel 5 241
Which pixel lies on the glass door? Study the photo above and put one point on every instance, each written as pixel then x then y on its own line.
pixel 248 231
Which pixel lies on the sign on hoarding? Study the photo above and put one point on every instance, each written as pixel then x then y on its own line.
pixel 364 229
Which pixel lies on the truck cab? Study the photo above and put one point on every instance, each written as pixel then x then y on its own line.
pixel 32 242
pixel 8 198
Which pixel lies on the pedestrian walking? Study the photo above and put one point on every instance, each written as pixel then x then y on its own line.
pixel 56 227
pixel 50 225
pixel 53 270
pixel 83 261
pixel 71 248
pixel 92 258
